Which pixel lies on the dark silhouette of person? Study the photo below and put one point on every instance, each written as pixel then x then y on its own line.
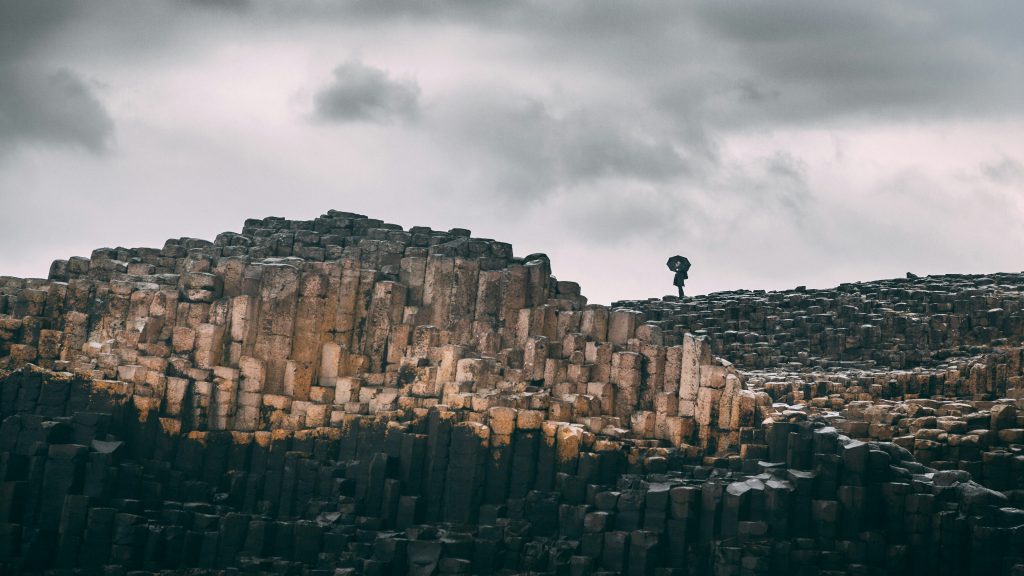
pixel 680 265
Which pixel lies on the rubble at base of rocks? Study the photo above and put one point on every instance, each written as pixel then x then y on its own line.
pixel 344 396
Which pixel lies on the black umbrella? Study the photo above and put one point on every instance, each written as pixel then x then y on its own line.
pixel 678 263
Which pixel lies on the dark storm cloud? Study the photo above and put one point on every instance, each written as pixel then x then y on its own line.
pixel 803 61
pixel 55 108
pixel 751 62
pixel 26 23
pixel 363 93
pixel 40 103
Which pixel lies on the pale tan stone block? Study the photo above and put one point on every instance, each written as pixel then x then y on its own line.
pixel 673 369
pixel 209 345
pixel 241 318
pixel 479 371
pixel 622 325
pixel 277 401
pixel 175 395
pixel 696 355
pixel 594 323
pixel 450 356
pixel 321 394
pixel 667 404
pixel 298 377
pixel 183 339
pixel 330 358
pixel 529 419
pixel 642 423
pixel 567 450
pixel 385 399
pixel 316 415
pixel 476 402
pixel 535 358
pixel 488 297
pixel 502 420
pixel 708 400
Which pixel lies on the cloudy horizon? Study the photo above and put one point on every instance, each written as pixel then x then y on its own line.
pixel 774 144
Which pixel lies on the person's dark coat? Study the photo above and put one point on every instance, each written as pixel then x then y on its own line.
pixel 680 278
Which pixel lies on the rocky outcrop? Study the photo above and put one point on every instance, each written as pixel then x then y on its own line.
pixel 293 325
pixel 345 396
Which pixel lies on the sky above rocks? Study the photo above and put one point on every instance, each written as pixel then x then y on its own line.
pixel 775 144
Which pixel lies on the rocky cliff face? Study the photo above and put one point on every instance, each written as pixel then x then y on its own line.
pixel 293 325
pixel 342 394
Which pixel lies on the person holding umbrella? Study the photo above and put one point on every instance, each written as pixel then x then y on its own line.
pixel 680 265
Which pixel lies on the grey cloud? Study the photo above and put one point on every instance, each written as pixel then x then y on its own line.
pixel 772 190
pixel 750 92
pixel 39 104
pixel 707 66
pixel 592 147
pixel 614 216
pixel 24 24
pixel 222 4
pixel 751 63
pixel 830 60
pixel 785 184
pixel 1005 171
pixel 363 93
pixel 535 151
pixel 473 11
pixel 785 166
pixel 56 108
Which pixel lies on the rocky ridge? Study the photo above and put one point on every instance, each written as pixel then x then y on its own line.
pixel 342 395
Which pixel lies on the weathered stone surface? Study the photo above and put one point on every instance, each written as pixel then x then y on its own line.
pixel 343 395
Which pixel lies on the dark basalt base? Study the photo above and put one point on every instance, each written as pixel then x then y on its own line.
pixel 92 486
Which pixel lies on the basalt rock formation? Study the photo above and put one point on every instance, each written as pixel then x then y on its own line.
pixel 344 396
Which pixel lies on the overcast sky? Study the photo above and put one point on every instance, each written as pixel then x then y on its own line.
pixel 775 144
